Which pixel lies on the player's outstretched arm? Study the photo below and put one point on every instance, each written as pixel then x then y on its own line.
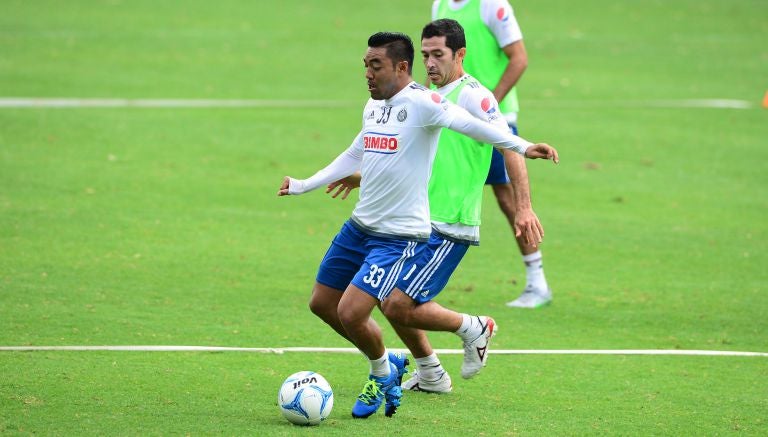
pixel 463 122
pixel 542 151
pixel 285 187
pixel 344 165
pixel 345 186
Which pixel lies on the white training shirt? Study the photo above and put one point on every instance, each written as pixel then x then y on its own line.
pixel 480 102
pixel 399 142
pixel 394 153
pixel 497 15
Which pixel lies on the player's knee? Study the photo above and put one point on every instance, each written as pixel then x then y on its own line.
pixel 321 308
pixel 347 317
pixel 396 312
pixel 315 307
pixel 387 310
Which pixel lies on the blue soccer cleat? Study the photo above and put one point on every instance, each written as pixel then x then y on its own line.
pixel 400 360
pixel 377 390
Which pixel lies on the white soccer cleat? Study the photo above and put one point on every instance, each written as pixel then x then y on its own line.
pixel 532 298
pixel 417 383
pixel 476 351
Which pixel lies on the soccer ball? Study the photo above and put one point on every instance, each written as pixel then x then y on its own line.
pixel 305 398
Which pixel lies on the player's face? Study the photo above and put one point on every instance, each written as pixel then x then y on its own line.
pixel 442 64
pixel 381 73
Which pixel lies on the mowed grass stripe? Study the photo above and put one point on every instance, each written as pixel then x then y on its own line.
pixel 77 102
pixel 348 350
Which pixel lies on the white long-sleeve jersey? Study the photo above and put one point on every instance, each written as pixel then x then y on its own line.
pixel 394 153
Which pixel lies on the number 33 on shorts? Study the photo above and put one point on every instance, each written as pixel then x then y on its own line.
pixel 373 278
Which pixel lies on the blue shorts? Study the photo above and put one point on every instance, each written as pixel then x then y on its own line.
pixel 497 173
pixel 426 276
pixel 370 263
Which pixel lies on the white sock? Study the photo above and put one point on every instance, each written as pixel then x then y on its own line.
pixel 470 327
pixel 534 271
pixel 429 367
pixel 380 366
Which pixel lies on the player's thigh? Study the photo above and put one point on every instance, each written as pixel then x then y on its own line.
pixel 428 275
pixel 384 264
pixel 343 259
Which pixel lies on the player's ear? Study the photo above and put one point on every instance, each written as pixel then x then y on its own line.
pixel 402 66
pixel 461 53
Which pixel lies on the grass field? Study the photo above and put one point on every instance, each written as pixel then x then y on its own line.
pixel 160 226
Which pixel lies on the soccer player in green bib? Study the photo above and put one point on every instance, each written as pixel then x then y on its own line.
pixel 497 59
pixel 456 185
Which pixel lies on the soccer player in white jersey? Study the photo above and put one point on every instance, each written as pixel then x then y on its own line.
pixel 390 224
pixel 455 206
pixel 497 59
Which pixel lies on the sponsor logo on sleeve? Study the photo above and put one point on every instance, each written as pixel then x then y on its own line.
pixel 487 106
pixel 502 14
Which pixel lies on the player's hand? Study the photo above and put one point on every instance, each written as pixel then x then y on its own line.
pixel 283 191
pixel 528 225
pixel 542 151
pixel 344 186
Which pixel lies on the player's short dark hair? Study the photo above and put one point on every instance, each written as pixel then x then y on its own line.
pixel 399 46
pixel 450 29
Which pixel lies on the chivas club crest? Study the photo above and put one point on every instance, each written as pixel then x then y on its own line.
pixel 402 115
